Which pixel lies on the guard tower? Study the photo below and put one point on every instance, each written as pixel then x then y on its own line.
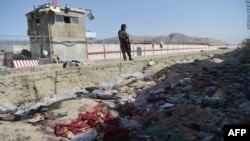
pixel 57 30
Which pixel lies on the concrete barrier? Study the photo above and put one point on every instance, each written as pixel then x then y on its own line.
pixel 24 63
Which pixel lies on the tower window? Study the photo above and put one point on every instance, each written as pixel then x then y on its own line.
pixel 59 18
pixel 37 22
pixel 66 19
pixel 74 20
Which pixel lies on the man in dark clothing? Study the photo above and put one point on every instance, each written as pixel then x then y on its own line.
pixel 124 42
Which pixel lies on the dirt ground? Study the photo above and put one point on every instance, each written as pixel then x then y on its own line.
pixel 43 130
pixel 24 130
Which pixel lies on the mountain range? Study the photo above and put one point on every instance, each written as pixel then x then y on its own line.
pixel 173 38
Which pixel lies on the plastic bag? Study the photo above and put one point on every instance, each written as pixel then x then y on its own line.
pixel 138 75
pixel 89 136
pixel 7 107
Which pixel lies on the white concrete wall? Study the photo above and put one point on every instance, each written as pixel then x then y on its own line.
pixel 113 51
pixel 110 51
pixel 94 52
pixel 68 53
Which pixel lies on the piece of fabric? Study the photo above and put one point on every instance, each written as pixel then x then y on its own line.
pixel 85 121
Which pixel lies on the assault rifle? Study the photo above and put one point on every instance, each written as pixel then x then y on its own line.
pixel 128 42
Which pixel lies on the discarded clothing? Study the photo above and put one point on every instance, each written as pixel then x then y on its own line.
pixel 85 121
pixel 10 117
pixel 89 136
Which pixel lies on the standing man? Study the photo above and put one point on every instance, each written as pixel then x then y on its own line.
pixel 124 42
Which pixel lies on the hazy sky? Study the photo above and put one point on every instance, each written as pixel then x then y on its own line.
pixel 225 20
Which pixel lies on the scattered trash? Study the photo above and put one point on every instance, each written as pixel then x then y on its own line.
pixel 138 75
pixel 36 118
pixel 219 93
pixel 85 63
pixel 106 86
pixel 211 101
pixel 70 64
pixel 151 63
pixel 191 97
pixel 88 136
pixel 166 105
pixel 10 117
pixel 112 82
pixel 6 107
pixel 209 91
pixel 216 60
pixel 129 123
pixel 28 109
pixel 86 121
pixel 162 133
pixel 59 97
pixel 145 67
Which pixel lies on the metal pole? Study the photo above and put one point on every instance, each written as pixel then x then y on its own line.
pixel 50 44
